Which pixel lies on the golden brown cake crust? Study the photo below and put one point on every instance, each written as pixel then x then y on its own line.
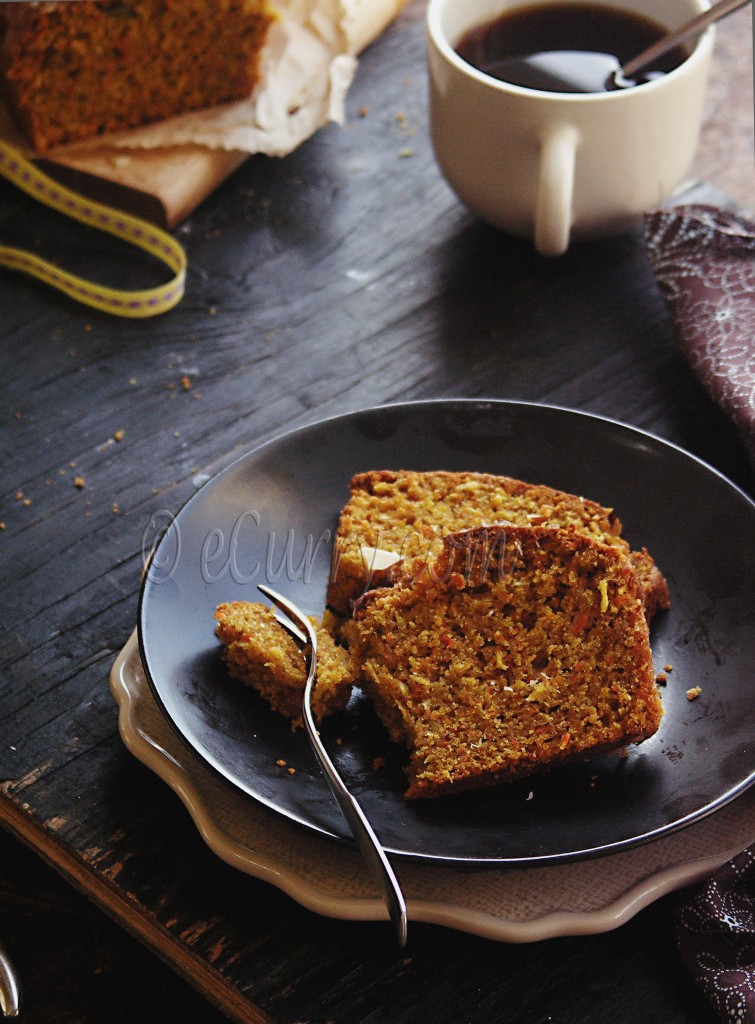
pixel 517 649
pixel 71 71
pixel 655 592
pixel 409 513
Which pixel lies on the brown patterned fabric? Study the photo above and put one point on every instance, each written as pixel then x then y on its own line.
pixel 716 933
pixel 704 260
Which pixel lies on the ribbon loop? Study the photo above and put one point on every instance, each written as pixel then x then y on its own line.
pixel 140 233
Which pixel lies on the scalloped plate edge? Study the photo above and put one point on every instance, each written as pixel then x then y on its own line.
pixel 124 685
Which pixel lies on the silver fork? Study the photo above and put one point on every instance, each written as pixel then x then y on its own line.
pixel 369 844
pixel 8 987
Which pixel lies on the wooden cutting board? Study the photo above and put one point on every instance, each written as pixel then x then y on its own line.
pixel 160 185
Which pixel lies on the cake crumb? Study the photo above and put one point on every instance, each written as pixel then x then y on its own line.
pixel 661 679
pixel 78 482
pixel 281 763
pixel 668 668
pixel 694 692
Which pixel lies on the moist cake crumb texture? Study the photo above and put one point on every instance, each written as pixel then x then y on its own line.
pixel 73 71
pixel 517 649
pixel 260 653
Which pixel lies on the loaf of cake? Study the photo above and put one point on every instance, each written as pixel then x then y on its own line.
pixel 394 517
pixel 260 653
pixel 514 650
pixel 71 71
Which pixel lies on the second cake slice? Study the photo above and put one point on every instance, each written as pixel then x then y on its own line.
pixel 395 516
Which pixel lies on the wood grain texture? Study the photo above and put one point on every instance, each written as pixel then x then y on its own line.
pixel 726 154
pixel 343 276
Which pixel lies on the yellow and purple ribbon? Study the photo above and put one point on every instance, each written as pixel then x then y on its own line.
pixel 140 233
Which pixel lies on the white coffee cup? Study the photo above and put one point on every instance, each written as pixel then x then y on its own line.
pixel 555 166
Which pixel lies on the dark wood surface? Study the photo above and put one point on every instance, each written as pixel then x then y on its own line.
pixel 343 276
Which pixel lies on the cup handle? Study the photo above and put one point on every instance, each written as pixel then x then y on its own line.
pixel 553 212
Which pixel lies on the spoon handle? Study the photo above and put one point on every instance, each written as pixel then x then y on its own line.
pixel 690 28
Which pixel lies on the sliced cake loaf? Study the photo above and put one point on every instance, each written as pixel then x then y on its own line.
pixel 72 71
pixel 515 649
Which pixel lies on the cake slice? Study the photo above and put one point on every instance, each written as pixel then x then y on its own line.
pixel 260 653
pixel 516 649
pixel 71 71
pixel 394 517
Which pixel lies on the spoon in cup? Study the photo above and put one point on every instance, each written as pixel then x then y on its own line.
pixel 581 71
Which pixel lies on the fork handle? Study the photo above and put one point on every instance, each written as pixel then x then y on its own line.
pixel 368 843
pixel 8 987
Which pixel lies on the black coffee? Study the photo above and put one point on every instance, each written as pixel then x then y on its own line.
pixel 572 31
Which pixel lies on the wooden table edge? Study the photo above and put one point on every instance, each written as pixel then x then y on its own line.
pixel 116 905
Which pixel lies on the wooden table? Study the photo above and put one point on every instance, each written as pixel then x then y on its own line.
pixel 343 276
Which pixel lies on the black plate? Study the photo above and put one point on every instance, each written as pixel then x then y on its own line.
pixel 270 518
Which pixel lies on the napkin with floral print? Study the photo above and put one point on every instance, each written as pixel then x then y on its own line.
pixel 716 932
pixel 704 261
